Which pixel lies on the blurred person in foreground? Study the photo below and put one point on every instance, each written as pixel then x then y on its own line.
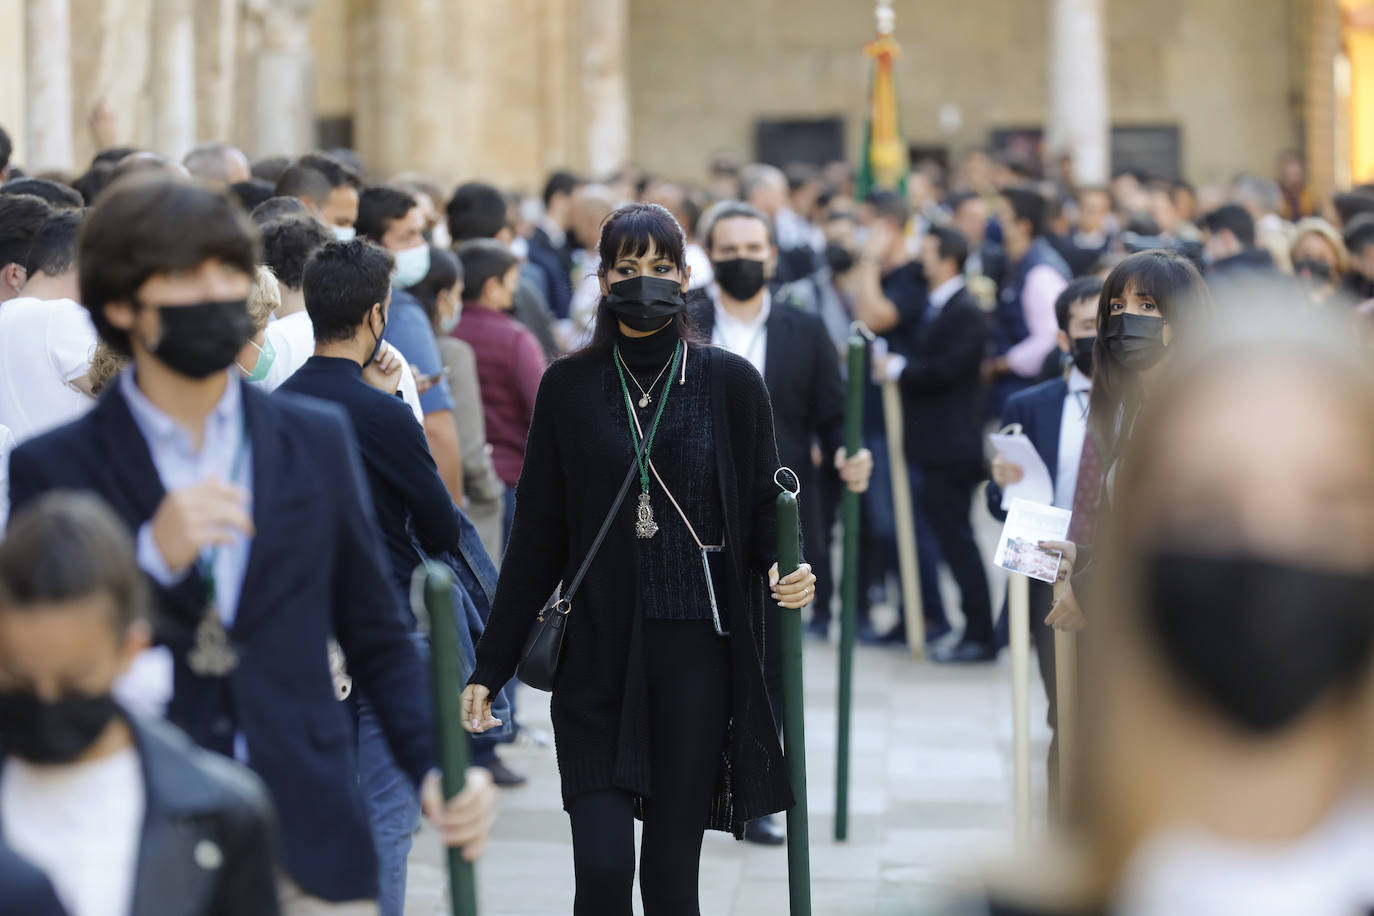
pixel 1321 262
pixel 1227 738
pixel 122 811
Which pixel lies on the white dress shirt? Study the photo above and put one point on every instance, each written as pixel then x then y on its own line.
pixel 45 346
pixel 7 444
pixel 81 824
pixel 743 338
pixel 1073 431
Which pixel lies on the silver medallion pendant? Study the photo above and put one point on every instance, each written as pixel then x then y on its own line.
pixel 645 526
pixel 212 655
pixel 645 401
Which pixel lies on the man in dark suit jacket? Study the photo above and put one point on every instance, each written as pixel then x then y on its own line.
pixel 1054 417
pixel 551 233
pixel 942 396
pixel 801 370
pixel 24 889
pixel 253 522
pixel 191 831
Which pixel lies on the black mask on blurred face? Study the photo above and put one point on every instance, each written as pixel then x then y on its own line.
pixel 646 303
pixel 202 339
pixel 740 278
pixel 46 732
pixel 1262 640
pixel 1318 271
pixel 1135 341
pixel 1081 349
pixel 839 258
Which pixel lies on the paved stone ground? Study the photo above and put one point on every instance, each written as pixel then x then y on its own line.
pixel 930 799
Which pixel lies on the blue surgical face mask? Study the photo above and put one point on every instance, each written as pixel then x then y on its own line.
pixel 447 324
pixel 344 233
pixel 412 264
pixel 267 355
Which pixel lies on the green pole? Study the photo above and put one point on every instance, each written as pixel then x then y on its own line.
pixel 446 679
pixel 793 724
pixel 853 441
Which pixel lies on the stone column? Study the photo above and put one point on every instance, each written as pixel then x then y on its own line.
pixel 217 33
pixel 605 85
pixel 283 79
pixel 48 84
pixel 12 67
pixel 172 77
pixel 1079 120
pixel 1326 118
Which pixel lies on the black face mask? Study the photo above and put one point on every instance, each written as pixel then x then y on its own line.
pixel 1082 353
pixel 202 339
pixel 840 259
pixel 1316 272
pixel 646 303
pixel 1135 341
pixel 52 732
pixel 1262 640
pixel 740 278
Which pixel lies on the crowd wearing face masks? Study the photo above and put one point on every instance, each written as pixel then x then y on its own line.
pixel 232 425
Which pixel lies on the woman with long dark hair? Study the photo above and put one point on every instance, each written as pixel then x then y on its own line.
pixel 659 705
pixel 1144 301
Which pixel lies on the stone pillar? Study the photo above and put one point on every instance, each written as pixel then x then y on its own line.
pixel 48 84
pixel 283 79
pixel 1079 120
pixel 111 57
pixel 217 34
pixel 605 86
pixel 172 77
pixel 12 66
pixel 1326 118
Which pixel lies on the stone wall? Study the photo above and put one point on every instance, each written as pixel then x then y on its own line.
pixel 701 73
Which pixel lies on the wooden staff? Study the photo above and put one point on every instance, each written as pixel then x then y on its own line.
pixel 1018 607
pixel 447 679
pixel 907 558
pixel 793 719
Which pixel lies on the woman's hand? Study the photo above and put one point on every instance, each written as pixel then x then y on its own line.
pixel 1066 615
pixel 856 471
pixel 477 717
pixel 1069 558
pixel 797 590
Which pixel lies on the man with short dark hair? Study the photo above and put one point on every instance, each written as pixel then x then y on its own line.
pixel 58 196
pixel 21 216
pixel 218 165
pixel 551 232
pixel 121 811
pixel 328 188
pixel 942 400
pixel 46 337
pixel 6 150
pixel 1359 241
pixel 1239 268
pixel 393 219
pixel 223 485
pixel 1023 325
pixel 347 290
pixel 478 211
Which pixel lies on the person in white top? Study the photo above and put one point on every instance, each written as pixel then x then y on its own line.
pixel 46 338
pixel 1227 734
pixel 124 815
pixel 21 216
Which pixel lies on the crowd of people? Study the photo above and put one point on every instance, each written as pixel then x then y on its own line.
pixel 241 401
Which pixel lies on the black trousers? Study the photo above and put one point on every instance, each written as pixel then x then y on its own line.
pixel 688 668
pixel 946 498
pixel 821 509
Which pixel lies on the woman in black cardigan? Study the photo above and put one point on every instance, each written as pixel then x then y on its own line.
pixel 659 707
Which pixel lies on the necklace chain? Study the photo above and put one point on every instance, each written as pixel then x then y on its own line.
pixel 646 399
pixel 642 453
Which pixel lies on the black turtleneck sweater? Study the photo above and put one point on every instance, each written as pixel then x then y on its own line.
pixel 672 583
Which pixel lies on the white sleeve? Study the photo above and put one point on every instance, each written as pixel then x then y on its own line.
pixel 71 339
pixel 408 390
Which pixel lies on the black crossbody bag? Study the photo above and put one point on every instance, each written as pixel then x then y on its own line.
pixel 544 647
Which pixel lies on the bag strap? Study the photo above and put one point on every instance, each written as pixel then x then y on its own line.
pixel 600 536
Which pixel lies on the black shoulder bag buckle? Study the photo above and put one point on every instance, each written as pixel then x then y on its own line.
pixel 544 648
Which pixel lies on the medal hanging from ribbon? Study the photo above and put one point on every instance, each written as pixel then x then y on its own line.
pixel 645 526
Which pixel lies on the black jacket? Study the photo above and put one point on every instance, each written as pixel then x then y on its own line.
pixel 24 889
pixel 942 389
pixel 574 467
pixel 801 369
pixel 316 569
pixel 207 845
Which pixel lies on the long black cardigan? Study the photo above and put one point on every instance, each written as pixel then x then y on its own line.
pixel 600 709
